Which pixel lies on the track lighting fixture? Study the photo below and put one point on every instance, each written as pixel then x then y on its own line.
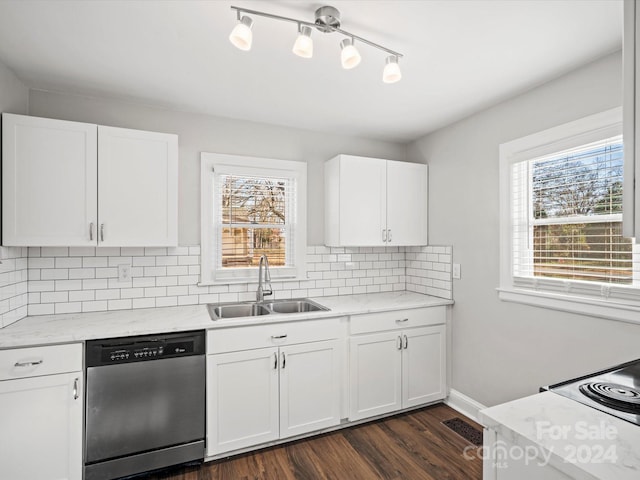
pixel 327 21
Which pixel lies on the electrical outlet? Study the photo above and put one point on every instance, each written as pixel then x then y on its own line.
pixel 456 271
pixel 124 272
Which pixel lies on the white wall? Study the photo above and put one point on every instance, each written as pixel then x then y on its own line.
pixel 501 350
pixel 14 98
pixel 14 95
pixel 215 134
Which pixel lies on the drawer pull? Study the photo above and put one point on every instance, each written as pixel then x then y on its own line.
pixel 28 364
pixel 278 337
pixel 402 320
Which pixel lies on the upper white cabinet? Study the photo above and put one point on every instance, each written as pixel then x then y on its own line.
pixel 631 105
pixel 375 202
pixel 77 184
pixel 138 187
pixel 49 187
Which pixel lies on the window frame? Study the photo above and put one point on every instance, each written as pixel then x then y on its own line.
pixel 211 163
pixel 618 302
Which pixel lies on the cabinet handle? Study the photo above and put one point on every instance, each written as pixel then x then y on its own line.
pixel 399 343
pixel 28 364
pixel 384 235
pixel 389 235
pixel 102 232
pixel 406 342
pixel 275 361
pixel 278 337
pixel 284 361
pixel 402 320
pixel 75 389
pixel 91 225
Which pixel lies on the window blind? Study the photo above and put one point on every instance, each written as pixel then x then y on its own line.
pixel 567 220
pixel 254 218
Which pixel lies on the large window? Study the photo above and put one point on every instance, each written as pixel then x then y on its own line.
pixel 251 207
pixel 561 194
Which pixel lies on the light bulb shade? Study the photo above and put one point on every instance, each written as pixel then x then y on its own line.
pixel 391 73
pixel 241 35
pixel 350 57
pixel 303 47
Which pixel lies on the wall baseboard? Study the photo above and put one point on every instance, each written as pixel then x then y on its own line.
pixel 464 404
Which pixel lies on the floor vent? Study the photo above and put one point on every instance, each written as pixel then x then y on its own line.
pixel 465 430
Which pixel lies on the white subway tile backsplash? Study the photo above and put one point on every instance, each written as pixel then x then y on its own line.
pixel 83 279
pixel 119 304
pixel 92 262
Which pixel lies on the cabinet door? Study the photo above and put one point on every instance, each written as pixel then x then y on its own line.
pixel 406 203
pixel 363 201
pixel 375 374
pixel 49 182
pixel 242 399
pixel 41 420
pixel 423 365
pixel 138 188
pixel 309 387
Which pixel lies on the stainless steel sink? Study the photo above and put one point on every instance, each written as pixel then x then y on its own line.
pixel 219 311
pixel 295 306
pixel 235 310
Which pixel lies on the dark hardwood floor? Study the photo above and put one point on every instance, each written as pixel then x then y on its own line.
pixel 409 446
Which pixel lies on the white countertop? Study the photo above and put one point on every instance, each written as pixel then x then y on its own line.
pixel 66 328
pixel 582 442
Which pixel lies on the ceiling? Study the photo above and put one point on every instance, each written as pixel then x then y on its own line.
pixel 460 56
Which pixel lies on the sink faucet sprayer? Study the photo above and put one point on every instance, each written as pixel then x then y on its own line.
pixel 260 294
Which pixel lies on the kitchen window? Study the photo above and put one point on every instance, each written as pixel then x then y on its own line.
pixel 252 207
pixel 561 220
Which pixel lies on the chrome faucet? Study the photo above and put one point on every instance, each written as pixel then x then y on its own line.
pixel 260 294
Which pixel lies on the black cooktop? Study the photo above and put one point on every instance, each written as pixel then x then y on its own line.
pixel 615 391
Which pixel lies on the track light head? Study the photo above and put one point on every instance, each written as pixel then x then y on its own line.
pixel 241 35
pixel 303 47
pixel 391 73
pixel 350 57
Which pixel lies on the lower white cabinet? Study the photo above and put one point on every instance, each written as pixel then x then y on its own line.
pixel 397 369
pixel 242 407
pixel 265 394
pixel 41 413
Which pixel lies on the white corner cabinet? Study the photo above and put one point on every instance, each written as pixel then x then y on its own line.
pixel 77 184
pixel 270 382
pixel 631 121
pixel 397 360
pixel 41 406
pixel 375 202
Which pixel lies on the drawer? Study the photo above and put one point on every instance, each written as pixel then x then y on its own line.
pixel 37 361
pixel 222 340
pixel 392 320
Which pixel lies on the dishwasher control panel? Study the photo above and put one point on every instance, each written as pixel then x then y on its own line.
pixel 136 349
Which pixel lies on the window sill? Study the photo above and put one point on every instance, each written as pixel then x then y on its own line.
pixel 252 280
pixel 593 307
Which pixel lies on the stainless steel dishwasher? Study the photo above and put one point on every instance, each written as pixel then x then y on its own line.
pixel 145 403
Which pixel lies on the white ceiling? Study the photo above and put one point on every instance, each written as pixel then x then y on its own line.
pixel 460 57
